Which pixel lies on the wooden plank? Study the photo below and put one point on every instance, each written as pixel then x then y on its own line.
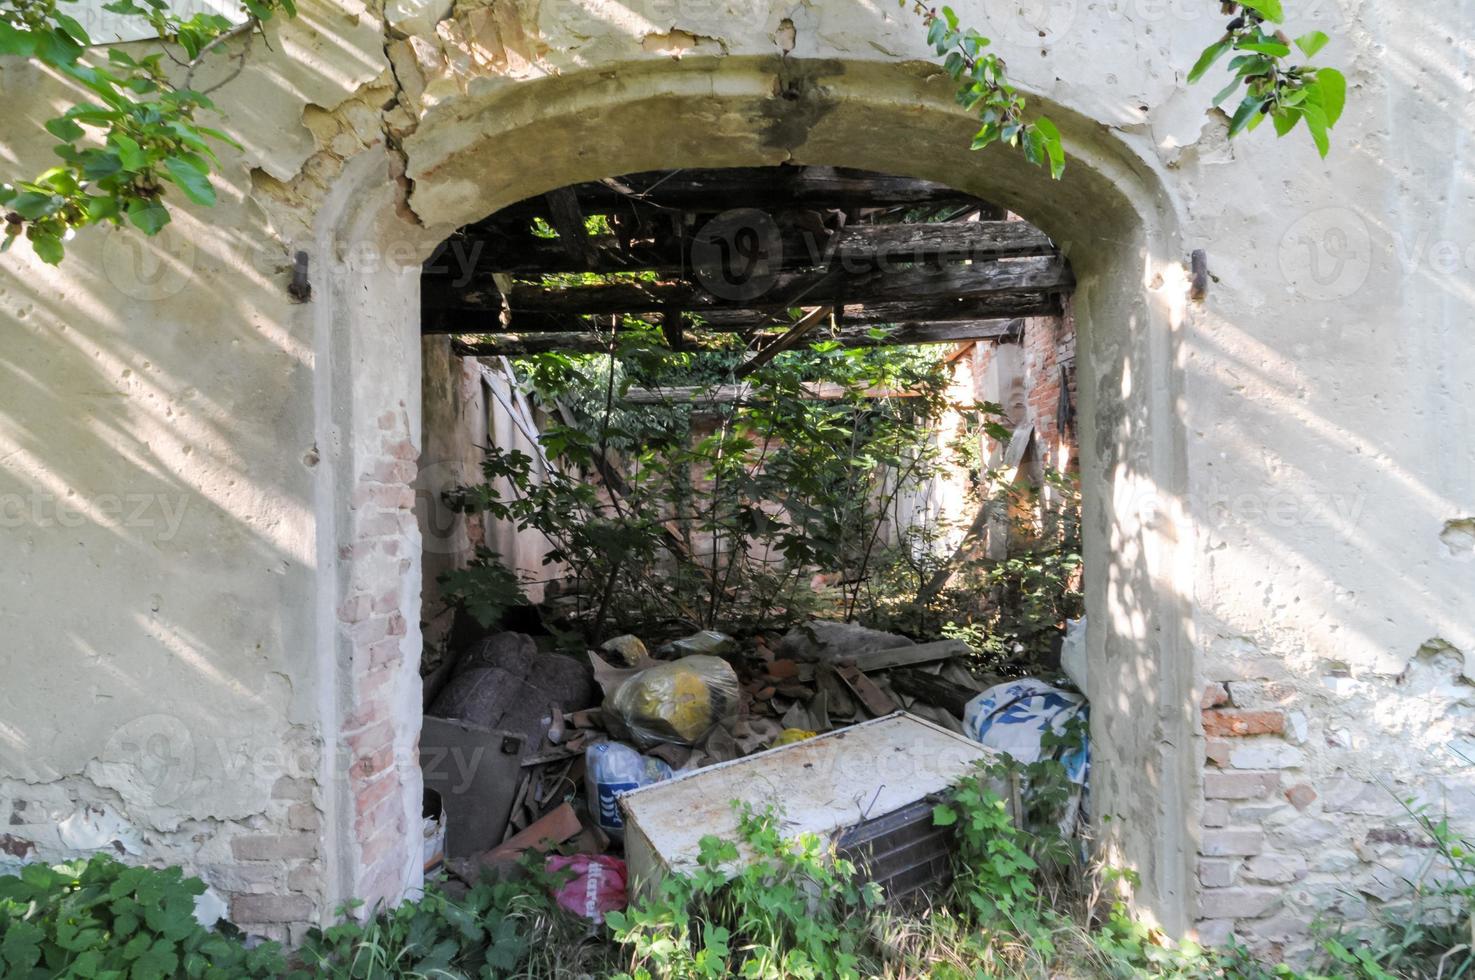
pixel 519 345
pixel 568 220
pixel 877 701
pixel 945 285
pixel 921 653
pixel 715 190
pixel 742 394
pixel 458 319
pixel 893 245
pixel 934 690
pixel 789 339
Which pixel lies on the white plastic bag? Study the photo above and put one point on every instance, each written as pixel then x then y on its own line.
pixel 611 769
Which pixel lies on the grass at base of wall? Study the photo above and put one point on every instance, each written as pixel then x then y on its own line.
pixel 1016 908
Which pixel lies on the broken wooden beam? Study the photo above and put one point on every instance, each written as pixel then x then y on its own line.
pixel 568 221
pixel 739 394
pixel 882 245
pixel 721 189
pixel 932 689
pixel 522 345
pixel 471 320
pixel 870 661
pixel 943 285
pixel 788 340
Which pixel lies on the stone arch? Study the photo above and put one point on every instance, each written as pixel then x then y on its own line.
pixel 507 141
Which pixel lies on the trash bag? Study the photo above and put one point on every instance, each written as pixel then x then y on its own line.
pixel 1073 653
pixel 611 769
pixel 680 701
pixel 597 886
pixel 628 650
pixel 1014 716
pixel 708 643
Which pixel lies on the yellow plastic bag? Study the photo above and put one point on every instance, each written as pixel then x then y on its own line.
pixel 679 702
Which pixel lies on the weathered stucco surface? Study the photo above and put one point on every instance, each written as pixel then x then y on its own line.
pixel 1279 486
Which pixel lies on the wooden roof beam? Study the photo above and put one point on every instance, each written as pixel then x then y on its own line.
pixel 521 345
pixel 829 287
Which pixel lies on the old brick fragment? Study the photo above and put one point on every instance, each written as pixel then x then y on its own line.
pixel 1232 842
pixel 1238 722
pixel 1214 695
pixel 274 847
pixel 270 908
pixel 1239 785
pixel 1301 795
pixel 1236 903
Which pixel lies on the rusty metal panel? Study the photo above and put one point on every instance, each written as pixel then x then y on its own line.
pixel 476 771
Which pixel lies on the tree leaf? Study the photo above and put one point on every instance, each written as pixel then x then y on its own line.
pixel 1244 115
pixel 148 216
pixel 1272 48
pixel 1332 85
pixel 1206 60
pixel 64 129
pixel 129 152
pixel 1285 120
pixel 32 205
pixel 1316 122
pixel 16 42
pixel 1312 42
pixel 1269 9
pixel 192 179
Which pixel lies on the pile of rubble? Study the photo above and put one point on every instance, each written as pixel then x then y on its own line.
pixel 524 748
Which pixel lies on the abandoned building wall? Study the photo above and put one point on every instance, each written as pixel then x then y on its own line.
pixel 454 428
pixel 1280 514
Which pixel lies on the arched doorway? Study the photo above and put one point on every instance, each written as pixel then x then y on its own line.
pixel 478 153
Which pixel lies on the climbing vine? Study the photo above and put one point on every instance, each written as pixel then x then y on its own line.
pixel 121 152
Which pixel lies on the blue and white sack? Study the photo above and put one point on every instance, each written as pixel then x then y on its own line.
pixel 611 769
pixel 1013 717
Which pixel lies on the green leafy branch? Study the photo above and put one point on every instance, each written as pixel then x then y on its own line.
pixel 984 89
pixel 1283 92
pixel 120 152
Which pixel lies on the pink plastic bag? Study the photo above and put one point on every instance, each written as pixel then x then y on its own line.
pixel 597 887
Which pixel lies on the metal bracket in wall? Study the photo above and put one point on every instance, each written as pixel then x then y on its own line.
pixel 299 288
pixel 1199 289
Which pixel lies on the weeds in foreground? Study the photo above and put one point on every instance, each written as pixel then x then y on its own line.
pixel 767 906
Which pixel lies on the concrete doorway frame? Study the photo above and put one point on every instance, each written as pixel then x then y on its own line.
pixel 496 145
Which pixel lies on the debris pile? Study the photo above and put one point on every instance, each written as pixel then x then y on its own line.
pixel 529 749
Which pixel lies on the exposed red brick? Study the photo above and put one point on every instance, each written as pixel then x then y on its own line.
pixel 1301 795
pixel 1237 722
pixel 1215 694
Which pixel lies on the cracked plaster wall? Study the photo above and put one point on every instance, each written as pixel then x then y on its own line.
pixel 1279 483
